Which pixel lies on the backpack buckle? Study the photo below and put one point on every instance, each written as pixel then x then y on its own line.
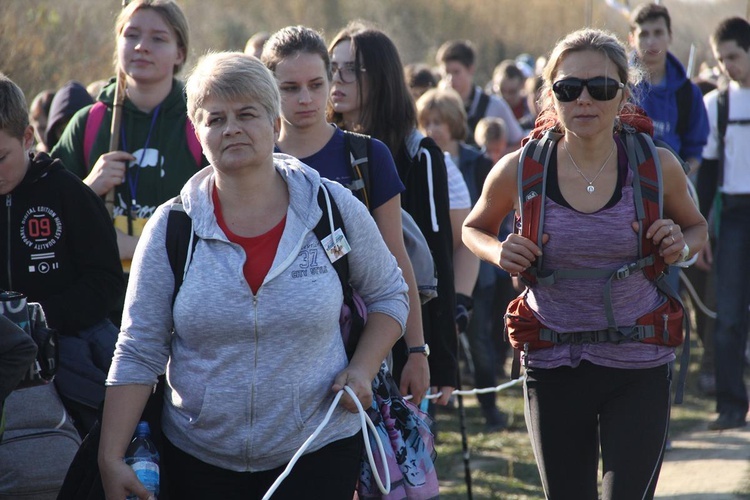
pixel 625 271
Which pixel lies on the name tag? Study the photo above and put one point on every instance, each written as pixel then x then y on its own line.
pixel 336 245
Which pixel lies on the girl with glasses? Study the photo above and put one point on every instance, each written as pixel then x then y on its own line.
pixel 378 103
pixel 595 394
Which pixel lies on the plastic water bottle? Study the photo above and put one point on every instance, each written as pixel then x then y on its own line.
pixel 143 457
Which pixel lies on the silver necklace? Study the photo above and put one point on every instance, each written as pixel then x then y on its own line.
pixel 590 188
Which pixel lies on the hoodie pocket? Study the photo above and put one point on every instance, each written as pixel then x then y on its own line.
pixel 277 421
pixel 222 414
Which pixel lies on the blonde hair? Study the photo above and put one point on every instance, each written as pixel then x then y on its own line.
pixel 448 106
pixel 172 15
pixel 14 116
pixel 231 76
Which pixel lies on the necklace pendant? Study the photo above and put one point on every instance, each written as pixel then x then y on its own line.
pixel 590 188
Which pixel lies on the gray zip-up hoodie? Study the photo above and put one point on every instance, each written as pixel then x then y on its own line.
pixel 250 376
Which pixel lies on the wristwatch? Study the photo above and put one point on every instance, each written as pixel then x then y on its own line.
pixel 684 253
pixel 422 349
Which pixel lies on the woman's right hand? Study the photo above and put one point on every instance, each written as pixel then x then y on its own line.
pixel 108 171
pixel 119 481
pixel 517 253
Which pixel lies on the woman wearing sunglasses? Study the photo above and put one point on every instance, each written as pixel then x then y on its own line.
pixel 591 396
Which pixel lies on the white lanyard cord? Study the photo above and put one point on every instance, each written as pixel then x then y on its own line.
pixel 365 422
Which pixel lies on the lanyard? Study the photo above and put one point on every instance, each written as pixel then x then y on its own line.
pixel 133 179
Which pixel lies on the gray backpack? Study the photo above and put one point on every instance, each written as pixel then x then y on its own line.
pixel 358 149
pixel 38 445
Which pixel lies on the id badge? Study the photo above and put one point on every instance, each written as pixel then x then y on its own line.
pixel 336 246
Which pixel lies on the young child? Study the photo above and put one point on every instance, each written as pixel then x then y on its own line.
pixel 441 116
pixel 490 136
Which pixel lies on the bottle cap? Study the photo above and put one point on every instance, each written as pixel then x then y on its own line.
pixel 143 429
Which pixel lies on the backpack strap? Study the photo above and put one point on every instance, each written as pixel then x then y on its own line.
pixel 684 100
pixel 193 145
pixel 180 242
pixel 722 120
pixel 328 223
pixel 648 194
pixel 482 105
pixel 532 191
pixel 93 123
pixel 357 148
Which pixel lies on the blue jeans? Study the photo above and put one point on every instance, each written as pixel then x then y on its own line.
pixel 84 363
pixel 732 300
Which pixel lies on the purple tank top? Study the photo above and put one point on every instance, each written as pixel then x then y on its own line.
pixel 603 239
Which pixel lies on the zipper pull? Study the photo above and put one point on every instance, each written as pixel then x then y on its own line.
pixel 665 333
pixel 8 200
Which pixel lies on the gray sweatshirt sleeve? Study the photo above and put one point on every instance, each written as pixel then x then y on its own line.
pixel 143 345
pixel 373 270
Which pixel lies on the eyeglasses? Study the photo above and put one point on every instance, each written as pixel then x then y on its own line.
pixel 600 88
pixel 348 72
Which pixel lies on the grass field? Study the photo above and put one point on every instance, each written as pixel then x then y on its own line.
pixel 502 464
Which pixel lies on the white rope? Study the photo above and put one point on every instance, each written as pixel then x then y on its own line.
pixel 694 295
pixel 485 390
pixel 364 422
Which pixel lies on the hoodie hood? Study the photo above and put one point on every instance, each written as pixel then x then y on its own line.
pixel 40 166
pixel 676 74
pixel 302 181
pixel 70 98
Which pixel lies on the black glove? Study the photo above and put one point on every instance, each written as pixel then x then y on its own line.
pixel 464 305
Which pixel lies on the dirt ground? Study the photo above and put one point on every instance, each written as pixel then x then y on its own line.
pixel 707 465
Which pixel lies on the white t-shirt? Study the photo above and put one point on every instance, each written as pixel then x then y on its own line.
pixel 458 192
pixel 736 139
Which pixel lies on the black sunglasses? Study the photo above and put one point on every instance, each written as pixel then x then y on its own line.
pixel 600 88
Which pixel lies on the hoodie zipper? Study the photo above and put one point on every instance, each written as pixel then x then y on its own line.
pixel 8 204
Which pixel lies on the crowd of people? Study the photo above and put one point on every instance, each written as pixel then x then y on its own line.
pixel 562 192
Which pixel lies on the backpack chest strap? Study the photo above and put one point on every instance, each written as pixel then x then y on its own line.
pixel 547 278
pixel 611 275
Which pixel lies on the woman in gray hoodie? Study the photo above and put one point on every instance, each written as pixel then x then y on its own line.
pixel 252 345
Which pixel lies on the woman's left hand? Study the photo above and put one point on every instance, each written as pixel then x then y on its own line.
pixel 667 235
pixel 359 382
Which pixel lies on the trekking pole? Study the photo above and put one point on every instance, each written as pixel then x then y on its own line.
pixel 114 129
pixel 464 439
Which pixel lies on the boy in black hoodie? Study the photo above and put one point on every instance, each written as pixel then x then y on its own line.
pixel 59 250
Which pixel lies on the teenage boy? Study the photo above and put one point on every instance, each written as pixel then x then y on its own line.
pixel 726 164
pixel 59 249
pixel 672 101
pixel 456 59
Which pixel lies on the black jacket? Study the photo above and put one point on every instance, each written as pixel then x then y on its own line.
pixel 426 198
pixel 59 247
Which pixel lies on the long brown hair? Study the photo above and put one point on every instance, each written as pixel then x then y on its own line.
pixel 387 112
